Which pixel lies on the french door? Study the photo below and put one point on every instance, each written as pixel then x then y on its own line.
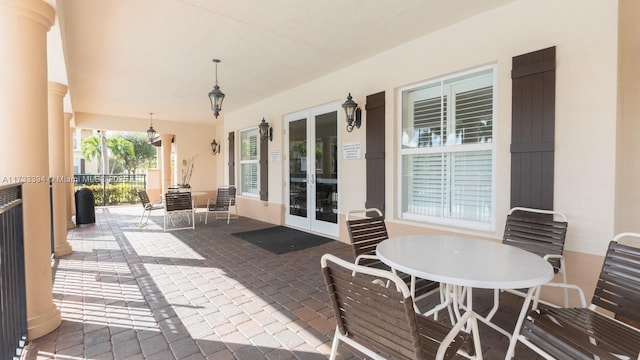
pixel 311 199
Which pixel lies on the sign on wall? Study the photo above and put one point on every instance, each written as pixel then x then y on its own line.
pixel 275 156
pixel 351 151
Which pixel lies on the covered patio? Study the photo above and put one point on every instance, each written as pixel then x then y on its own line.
pixel 557 88
pixel 131 293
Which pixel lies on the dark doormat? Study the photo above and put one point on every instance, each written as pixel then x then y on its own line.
pixel 281 239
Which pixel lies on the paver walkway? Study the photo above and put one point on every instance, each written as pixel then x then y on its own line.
pixel 130 293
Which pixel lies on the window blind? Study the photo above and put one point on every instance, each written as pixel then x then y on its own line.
pixel 250 175
pixel 249 162
pixel 447 153
pixel 428 117
pixel 474 114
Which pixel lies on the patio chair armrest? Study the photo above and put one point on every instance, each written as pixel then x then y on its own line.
pixel 553 256
pixel 365 257
pixel 466 341
pixel 583 301
pixel 560 257
pixel 362 211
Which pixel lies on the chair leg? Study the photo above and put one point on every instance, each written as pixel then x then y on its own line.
pixel 206 216
pixel 235 216
pixel 564 280
pixel 144 211
pixel 334 346
pixel 235 212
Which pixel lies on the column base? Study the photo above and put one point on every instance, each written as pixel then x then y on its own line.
pixel 44 323
pixel 70 224
pixel 62 250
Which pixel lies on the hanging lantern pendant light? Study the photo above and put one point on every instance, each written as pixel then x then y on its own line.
pixel 151 133
pixel 215 95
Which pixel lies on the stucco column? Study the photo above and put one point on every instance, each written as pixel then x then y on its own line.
pixel 25 157
pixel 57 171
pixel 68 167
pixel 167 178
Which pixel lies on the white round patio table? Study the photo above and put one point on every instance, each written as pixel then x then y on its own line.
pixel 467 262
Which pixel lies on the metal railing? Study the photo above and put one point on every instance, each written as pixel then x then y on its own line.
pixel 13 300
pixel 112 189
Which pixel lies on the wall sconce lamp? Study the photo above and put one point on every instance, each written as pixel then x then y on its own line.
pixel 266 131
pixel 353 112
pixel 151 133
pixel 215 95
pixel 215 147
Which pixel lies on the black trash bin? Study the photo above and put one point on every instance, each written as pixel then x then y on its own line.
pixel 85 207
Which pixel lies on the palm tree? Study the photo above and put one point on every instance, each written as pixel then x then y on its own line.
pixel 92 149
pixel 105 153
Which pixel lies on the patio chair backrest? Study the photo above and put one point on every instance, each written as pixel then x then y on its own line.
pixel 176 201
pixel 380 318
pixel 226 196
pixel 586 332
pixel 618 288
pixel 144 199
pixel 537 231
pixel 366 232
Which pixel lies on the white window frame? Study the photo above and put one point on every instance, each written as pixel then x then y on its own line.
pixel 78 140
pixel 255 162
pixel 450 149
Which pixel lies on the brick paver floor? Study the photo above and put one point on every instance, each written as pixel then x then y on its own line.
pixel 131 293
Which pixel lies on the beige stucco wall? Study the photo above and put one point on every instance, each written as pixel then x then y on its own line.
pixel 220 160
pixel 628 150
pixel 586 37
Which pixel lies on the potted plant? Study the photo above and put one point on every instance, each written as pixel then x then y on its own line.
pixel 187 170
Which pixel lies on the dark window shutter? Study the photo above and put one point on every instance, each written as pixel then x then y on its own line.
pixel 532 129
pixel 374 154
pixel 264 170
pixel 232 158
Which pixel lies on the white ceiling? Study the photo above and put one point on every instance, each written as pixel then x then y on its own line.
pixel 132 57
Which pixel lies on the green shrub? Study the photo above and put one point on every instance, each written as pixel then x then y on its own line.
pixel 114 194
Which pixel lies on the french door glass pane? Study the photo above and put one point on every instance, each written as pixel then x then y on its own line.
pixel 298 167
pixel 326 171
